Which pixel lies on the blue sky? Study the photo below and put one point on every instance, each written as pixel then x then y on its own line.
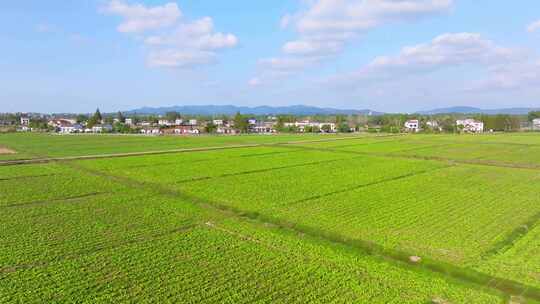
pixel 386 55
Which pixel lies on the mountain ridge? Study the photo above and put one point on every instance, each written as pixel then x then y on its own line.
pixel 313 110
pixel 473 110
pixel 258 110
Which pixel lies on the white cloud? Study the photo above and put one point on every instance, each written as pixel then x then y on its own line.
pixel 255 82
pixel 196 35
pixel 139 18
pixel 172 58
pixel 533 27
pixel 285 21
pixel 446 50
pixel 324 27
pixel 518 75
pixel 443 52
pixel 287 63
pixel 335 22
pixel 175 43
pixel 46 28
pixel 312 47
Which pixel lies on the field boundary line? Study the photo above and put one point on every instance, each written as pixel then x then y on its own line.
pixel 513 237
pixel 63 199
pixel 174 151
pixel 361 186
pixel 397 257
pixel 80 253
pixel 204 178
pixel 487 163
pixel 26 177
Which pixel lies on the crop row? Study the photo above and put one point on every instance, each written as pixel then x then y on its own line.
pixel 41 145
pixel 210 265
pixel 187 167
pixel 456 214
pixel 520 261
pixel 27 185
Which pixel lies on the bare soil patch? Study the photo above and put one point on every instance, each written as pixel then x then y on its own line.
pixel 4 150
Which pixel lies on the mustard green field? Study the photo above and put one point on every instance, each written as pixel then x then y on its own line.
pixel 271 219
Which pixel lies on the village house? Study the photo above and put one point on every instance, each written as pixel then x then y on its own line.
pixel 192 122
pixel 178 122
pixel 57 123
pixel 25 120
pixel 129 121
pixel 150 131
pixel 164 123
pixel 70 128
pixel 217 122
pixel 66 129
pixel 65 126
pixel 536 124
pixel 470 125
pixel 263 127
pixel 301 125
pixel 102 128
pixel 434 125
pixel 225 129
pixel 412 125
pixel 180 130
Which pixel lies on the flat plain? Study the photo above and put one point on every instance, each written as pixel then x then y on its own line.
pixel 270 219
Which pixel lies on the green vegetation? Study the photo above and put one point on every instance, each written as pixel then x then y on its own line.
pixel 35 145
pixel 296 219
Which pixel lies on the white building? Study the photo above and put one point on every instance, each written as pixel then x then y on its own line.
pixel 301 125
pixel 25 120
pixel 164 122
pixel 178 122
pixel 536 124
pixel 129 121
pixel 217 122
pixel 225 130
pixel 192 122
pixel 67 129
pixel 471 125
pixel 412 125
pixel 150 131
pixel 101 128
pixel 263 127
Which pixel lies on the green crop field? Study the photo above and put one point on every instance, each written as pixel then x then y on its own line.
pixel 270 219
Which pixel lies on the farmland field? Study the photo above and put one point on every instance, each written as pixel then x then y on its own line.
pixel 270 219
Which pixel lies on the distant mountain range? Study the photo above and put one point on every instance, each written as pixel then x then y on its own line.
pixel 261 110
pixel 472 110
pixel 310 110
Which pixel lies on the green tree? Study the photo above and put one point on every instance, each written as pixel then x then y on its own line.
pixel 97 115
pixel 240 123
pixel 172 116
pixel 81 118
pixel 120 117
pixel 533 115
pixel 326 128
pixel 121 128
pixel 210 127
pixel 343 127
pixel 95 119
pixel 39 124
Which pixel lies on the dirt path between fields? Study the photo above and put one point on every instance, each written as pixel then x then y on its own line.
pixel 5 150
